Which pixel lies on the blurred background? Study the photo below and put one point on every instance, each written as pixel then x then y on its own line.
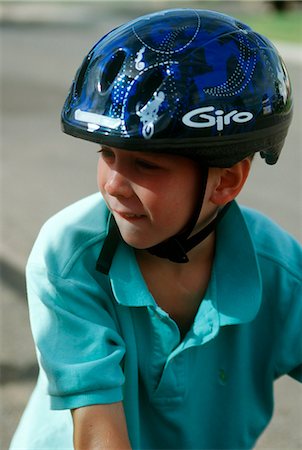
pixel 43 170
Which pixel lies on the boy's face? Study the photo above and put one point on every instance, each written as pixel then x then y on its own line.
pixel 152 197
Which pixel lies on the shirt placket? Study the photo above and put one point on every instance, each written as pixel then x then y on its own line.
pixel 169 353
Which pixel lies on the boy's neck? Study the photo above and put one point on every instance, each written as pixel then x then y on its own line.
pixel 179 288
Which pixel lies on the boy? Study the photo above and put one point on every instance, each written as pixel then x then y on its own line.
pixel 161 310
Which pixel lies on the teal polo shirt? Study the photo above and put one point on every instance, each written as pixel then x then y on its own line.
pixel 103 339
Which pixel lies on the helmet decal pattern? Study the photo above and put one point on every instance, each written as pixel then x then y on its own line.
pixel 243 71
pixel 167 46
pixel 149 114
pixel 139 63
pixel 184 81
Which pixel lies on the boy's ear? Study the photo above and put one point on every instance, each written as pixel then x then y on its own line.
pixel 230 182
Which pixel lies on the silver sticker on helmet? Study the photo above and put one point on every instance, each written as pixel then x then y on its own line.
pixel 149 114
pixel 92 127
pixel 199 119
pixel 96 119
pixel 139 63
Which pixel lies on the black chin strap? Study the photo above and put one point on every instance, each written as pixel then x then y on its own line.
pixel 175 248
pixel 111 242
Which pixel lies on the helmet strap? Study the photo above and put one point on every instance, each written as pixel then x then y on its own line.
pixel 175 247
pixel 111 242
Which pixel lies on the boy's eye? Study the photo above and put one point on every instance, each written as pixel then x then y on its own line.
pixel 146 164
pixel 106 153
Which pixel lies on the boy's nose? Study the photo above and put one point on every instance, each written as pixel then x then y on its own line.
pixel 118 185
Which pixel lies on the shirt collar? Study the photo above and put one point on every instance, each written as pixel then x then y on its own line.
pixel 235 286
pixel 238 281
pixel 127 282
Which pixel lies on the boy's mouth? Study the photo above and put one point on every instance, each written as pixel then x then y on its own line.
pixel 129 216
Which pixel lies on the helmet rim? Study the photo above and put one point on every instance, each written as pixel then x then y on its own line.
pixel 209 151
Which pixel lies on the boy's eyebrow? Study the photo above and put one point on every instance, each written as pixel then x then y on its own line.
pixel 105 147
pixel 139 153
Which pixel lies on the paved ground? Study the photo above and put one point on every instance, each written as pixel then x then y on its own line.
pixel 44 170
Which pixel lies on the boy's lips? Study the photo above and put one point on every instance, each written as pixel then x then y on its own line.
pixel 129 215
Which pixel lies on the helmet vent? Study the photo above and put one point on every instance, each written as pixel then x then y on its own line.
pixel 81 75
pixel 149 84
pixel 112 69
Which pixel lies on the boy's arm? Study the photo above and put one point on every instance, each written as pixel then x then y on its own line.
pixel 100 427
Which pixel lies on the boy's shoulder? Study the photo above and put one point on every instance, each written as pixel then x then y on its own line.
pixel 272 242
pixel 70 234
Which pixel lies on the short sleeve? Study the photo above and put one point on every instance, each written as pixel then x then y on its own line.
pixel 289 345
pixel 79 346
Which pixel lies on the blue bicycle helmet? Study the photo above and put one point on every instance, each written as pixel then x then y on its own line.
pixel 191 82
